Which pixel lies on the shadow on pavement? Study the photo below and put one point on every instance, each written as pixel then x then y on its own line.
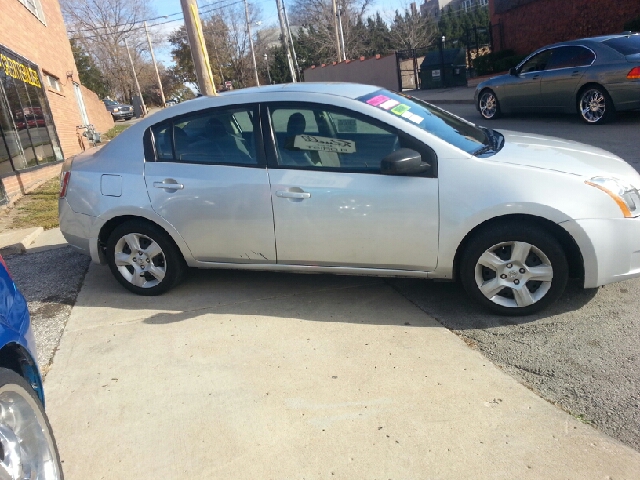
pixel 448 303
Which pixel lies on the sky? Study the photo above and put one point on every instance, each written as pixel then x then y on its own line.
pixel 268 18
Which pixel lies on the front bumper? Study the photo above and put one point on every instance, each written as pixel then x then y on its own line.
pixel 610 249
pixel 119 114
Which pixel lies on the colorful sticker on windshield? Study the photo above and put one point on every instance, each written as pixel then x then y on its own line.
pixel 400 109
pixel 389 104
pixel 377 100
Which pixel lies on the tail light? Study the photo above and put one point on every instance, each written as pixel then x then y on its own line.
pixel 64 183
pixel 4 264
pixel 634 74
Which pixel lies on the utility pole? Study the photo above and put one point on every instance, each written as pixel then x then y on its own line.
pixel 135 77
pixel 293 48
pixel 285 40
pixel 198 48
pixel 155 65
pixel 335 24
pixel 253 53
pixel 344 54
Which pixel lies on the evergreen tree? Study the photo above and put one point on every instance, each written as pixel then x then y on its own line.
pixel 90 75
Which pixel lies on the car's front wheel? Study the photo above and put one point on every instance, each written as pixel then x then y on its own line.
pixel 514 269
pixel 488 104
pixel 595 106
pixel 27 446
pixel 143 258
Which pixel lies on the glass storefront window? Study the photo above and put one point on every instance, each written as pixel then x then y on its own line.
pixel 28 134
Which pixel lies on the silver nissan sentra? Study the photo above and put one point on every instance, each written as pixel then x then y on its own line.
pixel 352 179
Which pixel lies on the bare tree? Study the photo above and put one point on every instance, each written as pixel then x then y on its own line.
pixel 101 26
pixel 318 15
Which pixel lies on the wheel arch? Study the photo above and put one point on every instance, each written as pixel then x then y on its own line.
pixel 567 242
pixel 110 225
pixel 14 356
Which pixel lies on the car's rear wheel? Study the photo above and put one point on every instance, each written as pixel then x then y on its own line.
pixel 514 269
pixel 488 104
pixel 27 445
pixel 143 258
pixel 595 106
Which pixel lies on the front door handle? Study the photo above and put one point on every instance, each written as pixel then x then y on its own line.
pixel 286 194
pixel 168 184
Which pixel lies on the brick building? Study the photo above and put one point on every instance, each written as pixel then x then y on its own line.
pixel 525 25
pixel 41 98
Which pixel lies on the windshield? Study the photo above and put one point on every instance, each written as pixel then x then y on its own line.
pixel 454 130
pixel 625 45
pixel 110 102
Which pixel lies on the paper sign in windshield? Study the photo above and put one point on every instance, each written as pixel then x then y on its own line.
pixel 324 144
pixel 400 109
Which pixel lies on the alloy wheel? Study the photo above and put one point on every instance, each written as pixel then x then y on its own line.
pixel 593 105
pixel 140 260
pixel 513 274
pixel 26 447
pixel 488 104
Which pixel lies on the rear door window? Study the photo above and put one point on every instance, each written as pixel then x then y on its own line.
pixel 570 57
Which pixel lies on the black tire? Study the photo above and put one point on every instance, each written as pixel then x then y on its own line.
pixel 143 266
pixel 28 420
pixel 505 241
pixel 602 110
pixel 488 104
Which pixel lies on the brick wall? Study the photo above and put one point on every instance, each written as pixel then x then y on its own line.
pixel 18 184
pixel 47 46
pixel 98 114
pixel 531 24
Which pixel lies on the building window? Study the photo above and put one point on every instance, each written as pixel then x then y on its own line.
pixel 27 133
pixel 35 7
pixel 53 82
pixel 482 3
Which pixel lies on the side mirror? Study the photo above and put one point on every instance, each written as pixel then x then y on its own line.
pixel 513 71
pixel 403 162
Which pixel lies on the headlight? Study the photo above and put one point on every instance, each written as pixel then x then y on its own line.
pixel 116 109
pixel 626 196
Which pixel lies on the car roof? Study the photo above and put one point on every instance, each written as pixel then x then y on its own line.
pixel 589 40
pixel 340 89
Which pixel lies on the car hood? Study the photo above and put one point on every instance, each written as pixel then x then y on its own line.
pixel 550 153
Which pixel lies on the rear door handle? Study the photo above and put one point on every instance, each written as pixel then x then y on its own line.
pixel 168 185
pixel 286 194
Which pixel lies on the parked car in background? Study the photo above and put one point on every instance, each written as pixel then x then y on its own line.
pixel 593 77
pixel 27 445
pixel 119 111
pixel 352 179
pixel 171 102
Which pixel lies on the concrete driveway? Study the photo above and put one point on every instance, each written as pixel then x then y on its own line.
pixel 255 375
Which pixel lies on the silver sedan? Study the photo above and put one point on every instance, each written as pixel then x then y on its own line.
pixel 352 179
pixel 594 77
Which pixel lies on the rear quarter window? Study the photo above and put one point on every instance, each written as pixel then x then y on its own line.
pixel 624 45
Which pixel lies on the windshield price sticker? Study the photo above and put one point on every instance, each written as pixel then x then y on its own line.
pixel 400 109
pixel 324 144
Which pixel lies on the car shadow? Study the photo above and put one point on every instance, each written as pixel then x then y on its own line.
pixel 323 298
pixel 448 303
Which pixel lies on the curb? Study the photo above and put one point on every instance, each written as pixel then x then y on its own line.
pixel 21 246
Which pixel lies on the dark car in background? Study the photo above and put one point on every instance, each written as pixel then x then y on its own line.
pixel 593 77
pixel 27 445
pixel 118 110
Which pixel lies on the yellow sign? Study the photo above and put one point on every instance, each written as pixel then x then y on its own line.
pixel 20 71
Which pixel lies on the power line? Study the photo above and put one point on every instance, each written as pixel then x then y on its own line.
pixel 210 8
